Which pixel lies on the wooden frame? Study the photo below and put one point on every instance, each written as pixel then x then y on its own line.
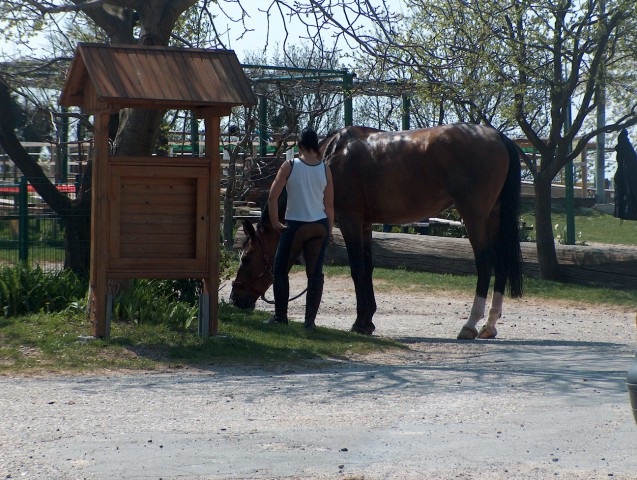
pixel 155 217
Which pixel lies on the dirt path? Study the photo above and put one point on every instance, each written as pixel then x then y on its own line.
pixel 545 400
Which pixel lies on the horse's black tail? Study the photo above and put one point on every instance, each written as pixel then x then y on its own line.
pixel 510 256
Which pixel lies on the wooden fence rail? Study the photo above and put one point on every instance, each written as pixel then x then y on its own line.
pixel 607 266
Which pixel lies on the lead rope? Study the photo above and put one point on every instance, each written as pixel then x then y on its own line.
pixel 271 302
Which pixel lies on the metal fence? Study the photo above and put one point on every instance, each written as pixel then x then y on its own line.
pixel 30 231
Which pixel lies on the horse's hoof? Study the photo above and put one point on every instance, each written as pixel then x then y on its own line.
pixel 487 332
pixel 277 320
pixel 467 333
pixel 362 330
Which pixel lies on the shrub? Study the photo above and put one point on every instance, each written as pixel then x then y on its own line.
pixel 158 302
pixel 25 289
pixel 174 303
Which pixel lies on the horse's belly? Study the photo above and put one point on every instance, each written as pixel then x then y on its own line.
pixel 402 208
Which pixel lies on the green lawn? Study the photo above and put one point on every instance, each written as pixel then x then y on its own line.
pixel 591 226
pixel 53 343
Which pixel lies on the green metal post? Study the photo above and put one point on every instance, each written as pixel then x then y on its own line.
pixel 194 135
pixel 406 112
pixel 263 126
pixel 348 83
pixel 23 220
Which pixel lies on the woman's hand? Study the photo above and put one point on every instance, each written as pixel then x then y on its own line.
pixel 278 226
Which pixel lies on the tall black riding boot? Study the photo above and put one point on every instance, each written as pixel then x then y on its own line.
pixel 313 300
pixel 281 289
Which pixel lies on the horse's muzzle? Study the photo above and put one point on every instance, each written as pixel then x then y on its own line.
pixel 244 302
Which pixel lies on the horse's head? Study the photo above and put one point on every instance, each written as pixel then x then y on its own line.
pixel 254 275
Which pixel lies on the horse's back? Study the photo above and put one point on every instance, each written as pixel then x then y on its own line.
pixel 404 176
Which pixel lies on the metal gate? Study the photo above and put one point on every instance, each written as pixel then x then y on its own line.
pixel 29 230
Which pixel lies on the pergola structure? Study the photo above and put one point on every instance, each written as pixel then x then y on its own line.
pixel 155 217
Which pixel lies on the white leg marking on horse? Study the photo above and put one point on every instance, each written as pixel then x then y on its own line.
pixel 477 312
pixel 495 312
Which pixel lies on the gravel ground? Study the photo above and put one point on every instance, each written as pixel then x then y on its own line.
pixel 547 399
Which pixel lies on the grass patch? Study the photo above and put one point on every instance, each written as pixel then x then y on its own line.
pixel 591 226
pixel 39 343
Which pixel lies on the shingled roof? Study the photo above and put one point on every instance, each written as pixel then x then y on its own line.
pixel 114 76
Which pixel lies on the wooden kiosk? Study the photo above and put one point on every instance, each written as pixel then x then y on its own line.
pixel 155 217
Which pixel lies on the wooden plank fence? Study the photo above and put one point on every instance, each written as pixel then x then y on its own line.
pixel 607 266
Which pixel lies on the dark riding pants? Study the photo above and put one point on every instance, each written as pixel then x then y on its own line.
pixel 281 286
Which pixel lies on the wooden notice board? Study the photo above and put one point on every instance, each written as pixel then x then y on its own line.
pixel 159 209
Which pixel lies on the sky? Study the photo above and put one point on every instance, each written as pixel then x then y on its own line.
pixel 254 41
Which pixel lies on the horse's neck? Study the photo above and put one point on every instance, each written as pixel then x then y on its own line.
pixel 282 205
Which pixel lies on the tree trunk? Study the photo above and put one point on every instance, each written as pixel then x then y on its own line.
pixel 138 131
pixel 547 258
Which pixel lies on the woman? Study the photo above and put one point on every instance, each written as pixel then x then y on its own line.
pixel 310 204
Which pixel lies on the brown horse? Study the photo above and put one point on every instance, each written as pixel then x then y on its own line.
pixel 401 177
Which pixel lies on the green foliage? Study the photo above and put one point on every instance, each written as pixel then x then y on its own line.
pixel 158 302
pixel 25 289
pixel 173 303
pixel 228 263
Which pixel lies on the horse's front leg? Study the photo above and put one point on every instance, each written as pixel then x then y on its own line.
pixel 368 282
pixel 352 231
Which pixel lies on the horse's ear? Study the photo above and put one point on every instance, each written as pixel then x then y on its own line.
pixel 248 229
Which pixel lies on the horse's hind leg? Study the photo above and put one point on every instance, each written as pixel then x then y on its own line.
pixel 484 252
pixel 489 330
pixel 484 264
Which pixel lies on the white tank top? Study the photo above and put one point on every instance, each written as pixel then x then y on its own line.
pixel 306 186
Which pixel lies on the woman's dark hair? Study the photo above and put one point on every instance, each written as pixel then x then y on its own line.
pixel 309 140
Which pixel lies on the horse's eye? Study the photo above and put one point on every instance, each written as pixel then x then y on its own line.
pixel 245 259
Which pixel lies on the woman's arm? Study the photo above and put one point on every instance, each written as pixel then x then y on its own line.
pixel 275 192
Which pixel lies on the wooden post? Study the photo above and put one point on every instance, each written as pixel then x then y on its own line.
pixel 213 130
pixel 99 222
